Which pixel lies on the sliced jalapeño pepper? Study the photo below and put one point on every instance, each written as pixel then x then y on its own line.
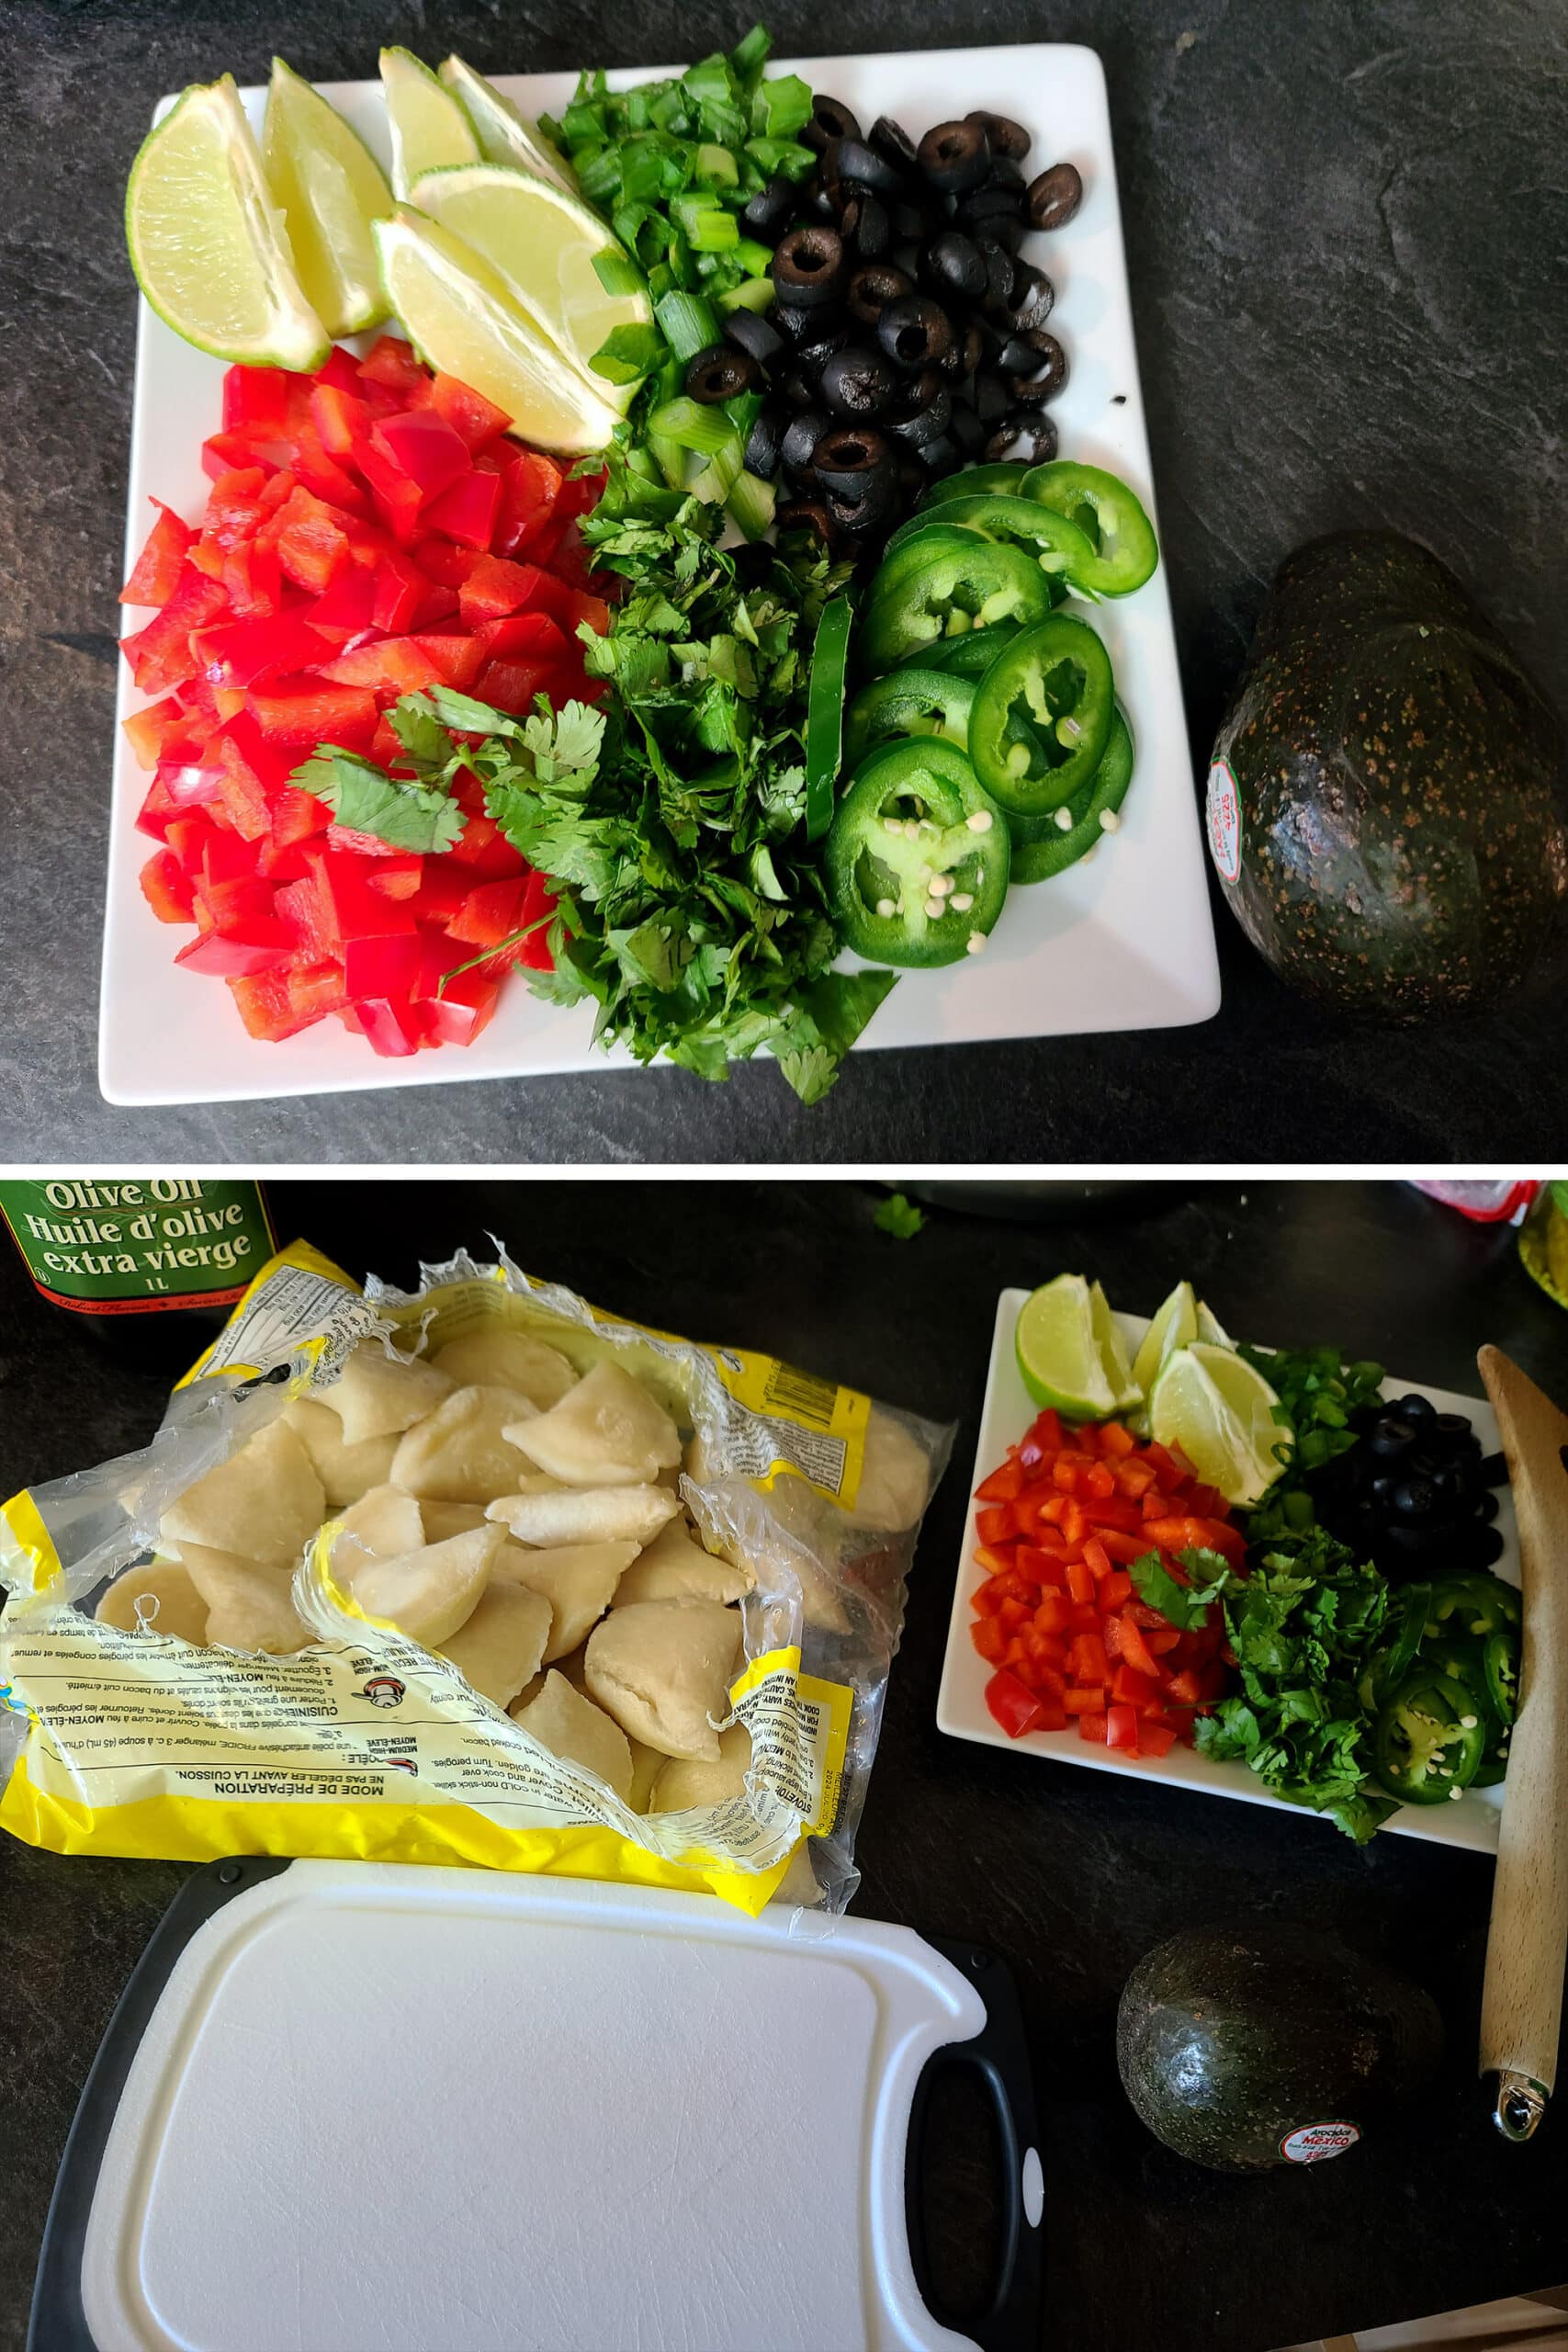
pixel 1042 715
pixel 907 701
pixel 975 482
pixel 929 592
pixel 1500 1666
pixel 916 862
pixel 1422 1749
pixel 1041 847
pixel 1109 516
pixel 1058 547
pixel 1473 1602
pixel 825 714
pixel 967 656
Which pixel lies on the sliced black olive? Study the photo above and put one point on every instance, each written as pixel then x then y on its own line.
pixel 820 199
pixel 849 457
pixel 966 430
pixel 812 357
pixel 799 389
pixel 769 213
pixel 1054 197
pixel 1000 272
pixel 990 204
pixel 1004 173
pixel 864 225
pixel 919 409
pixel 810 268
pixel 906 256
pixel 795 324
pixel 801 435
pixel 1027 433
pixel 750 332
pixel 1032 301
pixel 892 142
pixel 963 355
pixel 807 514
pixel 954 267
pixel 913 331
pixel 912 478
pixel 993 398
pixel 720 373
pixel 859 162
pixel 857 382
pixel 954 156
pixel 830 118
pixel 871 288
pixel 1004 137
pixel 870 512
pixel 765 441
pixel 1002 228
pixel 911 221
pixel 941 456
pixel 1036 366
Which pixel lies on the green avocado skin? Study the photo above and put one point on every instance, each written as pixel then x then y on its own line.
pixel 1229 2041
pixel 1403 816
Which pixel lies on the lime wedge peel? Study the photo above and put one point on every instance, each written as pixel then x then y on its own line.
pixel 542 243
pixel 331 188
pixel 210 247
pixel 430 131
pixel 504 136
pixel 1070 1352
pixel 462 319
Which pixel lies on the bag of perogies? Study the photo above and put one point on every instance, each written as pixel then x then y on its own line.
pixel 469 1574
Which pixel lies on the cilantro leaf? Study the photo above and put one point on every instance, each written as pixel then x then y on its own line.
pixel 898 1216
pixel 1182 1605
pixel 365 798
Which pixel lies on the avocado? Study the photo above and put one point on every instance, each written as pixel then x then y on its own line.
pixel 1247 2048
pixel 1396 840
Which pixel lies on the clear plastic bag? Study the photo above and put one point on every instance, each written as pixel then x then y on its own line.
pixel 364 1742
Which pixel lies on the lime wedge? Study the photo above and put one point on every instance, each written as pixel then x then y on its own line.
pixel 1069 1354
pixel 543 243
pixel 1220 1412
pixel 331 188
pixel 504 136
pixel 1210 1331
pixel 1175 1326
pixel 1113 1352
pixel 463 320
pixel 429 128
pixel 210 250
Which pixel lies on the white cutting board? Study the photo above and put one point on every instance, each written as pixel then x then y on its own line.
pixel 447 2110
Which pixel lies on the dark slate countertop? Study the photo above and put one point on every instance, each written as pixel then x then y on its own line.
pixel 1343 224
pixel 1071 1876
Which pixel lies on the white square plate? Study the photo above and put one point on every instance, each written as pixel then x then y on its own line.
pixel 961 1708
pixel 1123 942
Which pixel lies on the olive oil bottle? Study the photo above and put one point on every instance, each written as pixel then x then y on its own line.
pixel 150 1265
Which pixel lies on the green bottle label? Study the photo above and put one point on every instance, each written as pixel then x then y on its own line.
pixel 128 1245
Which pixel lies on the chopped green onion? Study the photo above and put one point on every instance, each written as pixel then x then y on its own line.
pixel 781 106
pixel 617 272
pixel 756 260
pixel 717 167
pixel 582 123
pixel 694 425
pixel 751 294
pixel 714 232
pixel 723 471
pixel 687 323
pixel 748 57
pixel 785 156
pixel 627 354
pixel 750 505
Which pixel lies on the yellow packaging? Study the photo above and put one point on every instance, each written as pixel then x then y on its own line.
pixel 364 1744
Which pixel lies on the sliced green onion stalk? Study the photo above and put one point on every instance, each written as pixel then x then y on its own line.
pixel 686 321
pixel 617 272
pixel 721 473
pixel 716 167
pixel 751 294
pixel 693 425
pixel 755 260
pixel 750 505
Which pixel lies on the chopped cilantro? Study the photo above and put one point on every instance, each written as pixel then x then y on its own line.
pixel 898 1216
pixel 365 798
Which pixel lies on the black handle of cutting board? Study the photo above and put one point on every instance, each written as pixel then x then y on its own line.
pixel 59 2323
pixel 998 2053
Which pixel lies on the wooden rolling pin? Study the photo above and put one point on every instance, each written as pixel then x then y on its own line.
pixel 1526 1945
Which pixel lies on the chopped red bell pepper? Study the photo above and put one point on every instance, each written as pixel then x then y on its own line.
pixel 467 510
pixel 155 573
pixel 468 411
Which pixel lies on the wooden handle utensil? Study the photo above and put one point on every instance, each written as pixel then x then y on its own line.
pixel 1526 1945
